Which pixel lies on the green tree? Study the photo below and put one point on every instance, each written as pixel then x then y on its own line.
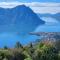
pixel 18 55
pixel 18 45
pixel 45 52
pixel 5 47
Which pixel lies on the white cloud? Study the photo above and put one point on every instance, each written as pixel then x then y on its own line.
pixel 35 6
pixel 9 4
pixel 32 4
pixel 38 4
pixel 52 10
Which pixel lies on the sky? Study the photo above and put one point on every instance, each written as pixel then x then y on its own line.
pixel 38 6
pixel 30 0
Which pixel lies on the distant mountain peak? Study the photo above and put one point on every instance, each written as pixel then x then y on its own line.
pixel 19 6
pixel 20 18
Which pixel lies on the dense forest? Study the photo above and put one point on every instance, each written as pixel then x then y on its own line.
pixel 47 48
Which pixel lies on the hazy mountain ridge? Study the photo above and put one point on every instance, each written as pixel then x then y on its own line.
pixel 21 18
pixel 56 16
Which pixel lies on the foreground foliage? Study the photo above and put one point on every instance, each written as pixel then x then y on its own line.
pixel 39 51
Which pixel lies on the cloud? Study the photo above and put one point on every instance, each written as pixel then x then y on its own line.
pixel 9 4
pixel 51 10
pixel 38 4
pixel 35 6
pixel 32 4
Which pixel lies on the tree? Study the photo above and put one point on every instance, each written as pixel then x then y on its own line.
pixel 5 47
pixel 18 45
pixel 18 55
pixel 45 52
pixel 57 44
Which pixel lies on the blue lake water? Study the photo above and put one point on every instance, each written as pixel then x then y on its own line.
pixel 10 38
pixel 48 28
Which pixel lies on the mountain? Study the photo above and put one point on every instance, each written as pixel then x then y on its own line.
pixel 55 16
pixel 20 18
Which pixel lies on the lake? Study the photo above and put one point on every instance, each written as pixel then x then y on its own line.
pixel 10 38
